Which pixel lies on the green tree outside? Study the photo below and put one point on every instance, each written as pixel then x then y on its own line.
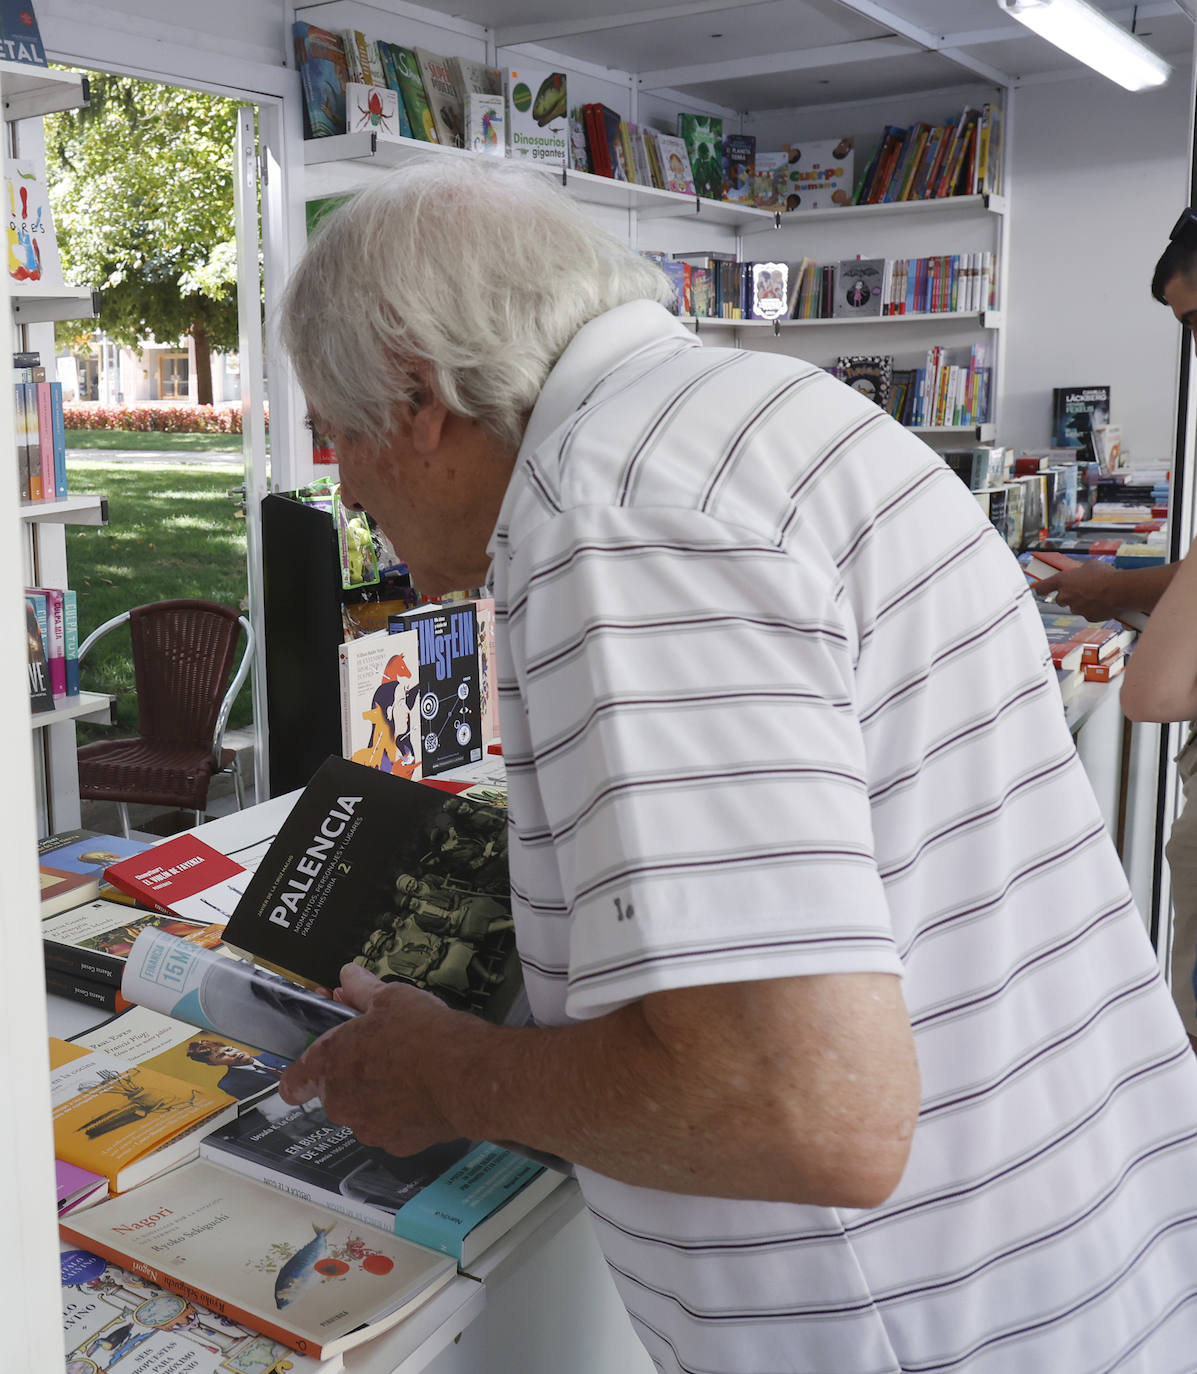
pixel 141 183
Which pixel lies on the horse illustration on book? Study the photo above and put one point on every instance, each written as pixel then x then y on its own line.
pixel 389 749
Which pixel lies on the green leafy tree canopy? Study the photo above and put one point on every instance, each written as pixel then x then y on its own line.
pixel 141 184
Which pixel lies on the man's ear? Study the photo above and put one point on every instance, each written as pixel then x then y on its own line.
pixel 428 423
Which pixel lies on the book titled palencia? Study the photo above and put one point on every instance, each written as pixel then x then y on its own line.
pixel 295 1272
pixel 182 876
pixel 115 1314
pixel 405 879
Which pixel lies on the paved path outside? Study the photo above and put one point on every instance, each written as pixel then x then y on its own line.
pixel 151 455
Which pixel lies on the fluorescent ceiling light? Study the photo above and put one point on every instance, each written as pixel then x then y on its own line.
pixel 1093 38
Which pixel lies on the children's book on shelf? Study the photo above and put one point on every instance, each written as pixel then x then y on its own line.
pixel 871 375
pixel 739 167
pixel 380 701
pixel 675 164
pixel 815 175
pixel 395 875
pixel 372 109
pixel 20 36
pixel 456 1198
pixel 41 698
pixel 444 98
pixel 324 74
pixel 363 61
pixel 475 78
pixel 703 137
pixel 405 67
pixel 239 1000
pixel 858 288
pixel 182 876
pixel 486 123
pixel 1076 412
pixel 450 719
pixel 295 1272
pixel 77 1187
pixel 115 1319
pixel 770 290
pixel 538 115
pixel 240 1072
pixel 32 244
pixel 126 1121
pixel 93 940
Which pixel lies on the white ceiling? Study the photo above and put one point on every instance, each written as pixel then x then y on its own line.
pixel 770 54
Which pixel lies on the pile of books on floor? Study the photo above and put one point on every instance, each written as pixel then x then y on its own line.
pixel 204 1219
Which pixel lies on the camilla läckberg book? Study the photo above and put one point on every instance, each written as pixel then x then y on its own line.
pixel 300 1274
pixel 401 877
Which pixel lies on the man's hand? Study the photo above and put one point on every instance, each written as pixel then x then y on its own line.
pixel 1093 590
pixel 367 1072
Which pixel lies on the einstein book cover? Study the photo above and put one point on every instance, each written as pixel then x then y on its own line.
pixel 405 879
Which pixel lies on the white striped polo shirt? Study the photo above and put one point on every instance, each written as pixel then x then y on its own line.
pixel 775 702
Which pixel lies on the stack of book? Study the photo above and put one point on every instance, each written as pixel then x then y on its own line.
pixel 961 157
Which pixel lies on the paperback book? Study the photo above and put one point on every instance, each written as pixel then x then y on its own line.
pixel 77 1187
pixel 703 137
pixel 1076 412
pixel 858 284
pixel 72 865
pixel 407 880
pixel 126 1321
pixel 126 1121
pixel 20 36
pixel 93 940
pixel 291 1270
pixel 32 244
pixel 380 701
pixel 456 1198
pixel 444 99
pixel 182 876
pixel 324 74
pixel 41 698
pixel 404 68
pixel 450 714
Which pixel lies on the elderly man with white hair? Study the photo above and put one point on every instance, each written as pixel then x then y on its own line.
pixel 844 1013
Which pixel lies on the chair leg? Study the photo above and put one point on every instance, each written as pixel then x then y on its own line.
pixel 200 816
pixel 235 769
pixel 124 814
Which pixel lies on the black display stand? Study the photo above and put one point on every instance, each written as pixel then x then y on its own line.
pixel 301 574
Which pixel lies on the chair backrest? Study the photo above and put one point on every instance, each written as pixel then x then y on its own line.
pixel 182 657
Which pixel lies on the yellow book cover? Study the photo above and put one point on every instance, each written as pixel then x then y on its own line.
pixel 126 1121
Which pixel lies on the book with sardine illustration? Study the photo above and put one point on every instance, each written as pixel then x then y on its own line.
pixel 317 1281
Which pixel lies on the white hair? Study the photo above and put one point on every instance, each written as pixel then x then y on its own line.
pixel 467 274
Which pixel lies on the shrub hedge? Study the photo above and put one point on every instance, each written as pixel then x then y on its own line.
pixel 161 419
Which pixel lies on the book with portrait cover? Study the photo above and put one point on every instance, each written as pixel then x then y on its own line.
pixel 403 878
pixel 457 1197
pixel 1076 412
pixel 450 714
pixel 129 1322
pixel 295 1272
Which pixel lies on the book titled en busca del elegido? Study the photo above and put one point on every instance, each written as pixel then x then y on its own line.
pixel 406 879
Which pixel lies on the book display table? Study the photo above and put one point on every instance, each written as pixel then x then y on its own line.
pixel 542 1300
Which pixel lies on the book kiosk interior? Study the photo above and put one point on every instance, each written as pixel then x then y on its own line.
pixel 987 302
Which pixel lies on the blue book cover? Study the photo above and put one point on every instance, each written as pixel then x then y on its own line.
pixel 58 430
pixel 20 37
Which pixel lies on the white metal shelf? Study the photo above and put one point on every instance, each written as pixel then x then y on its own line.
pixel 942 206
pixel 74 510
pixel 33 91
pixel 37 302
pixel 987 319
pixel 85 706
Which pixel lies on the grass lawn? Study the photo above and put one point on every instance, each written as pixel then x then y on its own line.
pixel 140 440
pixel 172 532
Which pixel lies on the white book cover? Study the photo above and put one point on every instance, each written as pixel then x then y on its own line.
pixel 372 110
pixel 380 694
pixel 32 245
pixel 486 124
pixel 538 115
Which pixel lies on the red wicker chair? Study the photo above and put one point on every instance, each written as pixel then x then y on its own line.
pixel 183 654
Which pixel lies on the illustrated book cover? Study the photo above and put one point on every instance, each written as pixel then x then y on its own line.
pixel 444 99
pixel 858 283
pixel 871 375
pixel 41 698
pixel 115 1319
pixel 485 123
pixel 703 137
pixel 450 716
pixel 32 243
pixel 300 1274
pixel 182 876
pixel 739 167
pixel 675 164
pixel 403 64
pixel 372 109
pixel 240 1072
pixel 380 701
pixel 538 115
pixel 815 175
pixel 456 1198
pixel 324 74
pixel 126 1121
pixel 20 36
pixel 233 997
pixel 405 879
pixel 72 865
pixel 93 940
